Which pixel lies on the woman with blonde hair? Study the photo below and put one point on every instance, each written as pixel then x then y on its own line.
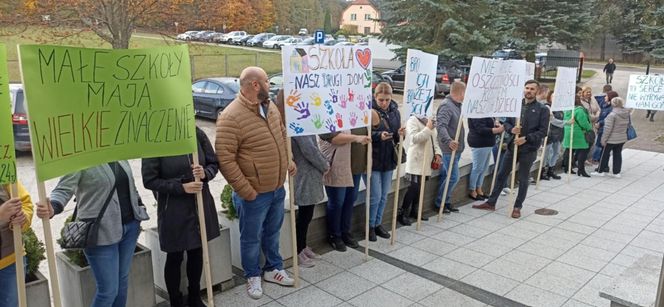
pixel 614 137
pixel 385 137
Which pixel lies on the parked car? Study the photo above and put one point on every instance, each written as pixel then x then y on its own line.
pixel 378 78
pixel 344 44
pixel 19 118
pixel 507 54
pixel 230 37
pixel 200 36
pixel 217 37
pixel 446 73
pixel 341 38
pixel 303 32
pixel 186 35
pixel 307 42
pixel 213 95
pixel 330 42
pixel 289 42
pixel 243 40
pixel 258 39
pixel 276 83
pixel 273 43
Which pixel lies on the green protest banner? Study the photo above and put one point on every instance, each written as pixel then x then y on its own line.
pixel 7 154
pixel 91 106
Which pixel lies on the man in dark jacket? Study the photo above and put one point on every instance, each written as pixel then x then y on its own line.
pixel 528 137
pixel 609 68
pixel 447 121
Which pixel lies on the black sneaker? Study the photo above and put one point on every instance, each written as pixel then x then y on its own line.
pixel 381 232
pixel 349 240
pixel 372 234
pixel 449 208
pixel 338 244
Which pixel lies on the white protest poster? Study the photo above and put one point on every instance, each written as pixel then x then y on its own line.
pixel 326 88
pixel 645 92
pixel 495 88
pixel 565 90
pixel 420 83
pixel 530 70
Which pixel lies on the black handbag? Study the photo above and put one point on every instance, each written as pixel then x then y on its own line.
pixel 590 137
pixel 79 234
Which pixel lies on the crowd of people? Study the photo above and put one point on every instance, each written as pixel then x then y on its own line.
pixel 250 151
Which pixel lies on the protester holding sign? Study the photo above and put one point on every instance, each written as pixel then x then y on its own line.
pixel 528 137
pixel 251 149
pixel 481 138
pixel 172 180
pixel 447 123
pixel 556 126
pixel 108 191
pixel 423 149
pixel 582 135
pixel 385 138
pixel 614 137
pixel 14 212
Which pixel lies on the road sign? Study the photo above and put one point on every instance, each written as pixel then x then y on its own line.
pixel 319 37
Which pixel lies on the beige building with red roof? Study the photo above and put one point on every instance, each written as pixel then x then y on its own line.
pixel 361 16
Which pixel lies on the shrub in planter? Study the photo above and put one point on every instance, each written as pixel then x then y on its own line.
pixel 227 203
pixel 36 286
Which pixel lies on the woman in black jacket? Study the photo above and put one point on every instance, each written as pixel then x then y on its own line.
pixel 172 181
pixel 481 138
pixel 384 137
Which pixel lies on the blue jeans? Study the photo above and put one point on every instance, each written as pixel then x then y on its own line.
pixel 260 223
pixel 454 178
pixel 9 294
pixel 381 182
pixel 110 265
pixel 552 154
pixel 480 164
pixel 339 210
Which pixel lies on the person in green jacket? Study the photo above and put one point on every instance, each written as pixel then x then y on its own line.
pixel 578 142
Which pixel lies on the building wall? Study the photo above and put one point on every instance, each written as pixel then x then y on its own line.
pixel 361 22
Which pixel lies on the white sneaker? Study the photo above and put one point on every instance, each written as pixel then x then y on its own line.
pixel 310 253
pixel 616 176
pixel 254 289
pixel 304 261
pixel 597 174
pixel 279 277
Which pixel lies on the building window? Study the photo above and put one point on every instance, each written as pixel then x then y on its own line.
pixel 367 16
pixel 353 17
pixel 367 30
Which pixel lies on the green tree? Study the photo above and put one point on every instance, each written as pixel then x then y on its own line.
pixel 453 29
pixel 327 24
pixel 641 29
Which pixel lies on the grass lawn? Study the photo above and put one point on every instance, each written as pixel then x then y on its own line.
pixel 207 60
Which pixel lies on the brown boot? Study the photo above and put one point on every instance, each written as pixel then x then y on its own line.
pixel 485 206
pixel 516 213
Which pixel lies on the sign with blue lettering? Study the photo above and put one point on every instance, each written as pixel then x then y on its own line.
pixel 319 37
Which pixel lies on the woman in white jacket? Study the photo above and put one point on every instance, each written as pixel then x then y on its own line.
pixel 422 149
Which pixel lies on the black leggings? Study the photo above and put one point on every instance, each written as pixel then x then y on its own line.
pixel 616 149
pixel 411 200
pixel 304 216
pixel 581 156
pixel 194 271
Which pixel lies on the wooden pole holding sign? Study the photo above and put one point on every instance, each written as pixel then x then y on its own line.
pixel 395 207
pixel 571 151
pixel 422 180
pixel 18 254
pixel 50 252
pixel 367 198
pixel 514 158
pixel 497 162
pixel 546 139
pixel 46 222
pixel 204 241
pixel 449 170
pixel 291 206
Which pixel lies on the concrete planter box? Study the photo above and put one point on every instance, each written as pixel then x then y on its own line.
pixel 77 285
pixel 284 239
pixel 38 292
pixel 220 261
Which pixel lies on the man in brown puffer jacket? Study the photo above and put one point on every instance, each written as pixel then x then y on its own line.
pixel 251 149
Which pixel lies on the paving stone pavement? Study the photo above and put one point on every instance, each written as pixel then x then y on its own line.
pixel 478 258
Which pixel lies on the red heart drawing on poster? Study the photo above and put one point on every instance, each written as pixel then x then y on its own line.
pixel 363 57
